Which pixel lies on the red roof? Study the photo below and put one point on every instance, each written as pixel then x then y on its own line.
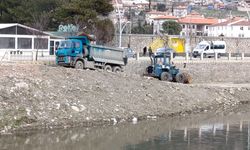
pixel 229 21
pixel 242 23
pixel 164 17
pixel 198 20
pixel 237 21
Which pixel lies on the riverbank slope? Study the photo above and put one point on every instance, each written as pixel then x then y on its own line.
pixel 40 96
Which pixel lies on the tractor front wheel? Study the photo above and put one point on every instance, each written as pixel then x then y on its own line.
pixel 184 78
pixel 165 76
pixel 149 70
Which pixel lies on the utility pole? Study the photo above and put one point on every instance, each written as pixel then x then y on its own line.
pixel 120 24
pixel 149 5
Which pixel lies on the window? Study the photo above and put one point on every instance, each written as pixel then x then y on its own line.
pixel 206 27
pixel 218 46
pixel 193 26
pixel 24 43
pixel 7 43
pixel 241 28
pixel 241 35
pixel 183 26
pixel 52 47
pixel 77 44
pixel 41 43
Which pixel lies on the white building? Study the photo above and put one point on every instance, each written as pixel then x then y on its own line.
pixel 149 17
pixel 20 41
pixel 180 11
pixel 234 27
pixel 159 20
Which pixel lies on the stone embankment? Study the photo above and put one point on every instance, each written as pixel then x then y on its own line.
pixel 42 96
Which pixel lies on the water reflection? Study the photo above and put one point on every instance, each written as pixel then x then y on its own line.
pixel 226 137
pixel 199 132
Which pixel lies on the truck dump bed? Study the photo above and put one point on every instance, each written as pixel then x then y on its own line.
pixel 108 55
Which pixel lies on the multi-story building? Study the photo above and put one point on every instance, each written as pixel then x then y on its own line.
pixel 233 27
pixel 149 17
pixel 195 24
pixel 180 11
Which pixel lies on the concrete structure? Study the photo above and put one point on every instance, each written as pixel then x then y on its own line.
pixel 195 25
pixel 233 27
pixel 139 41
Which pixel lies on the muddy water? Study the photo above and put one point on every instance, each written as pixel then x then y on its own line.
pixel 215 130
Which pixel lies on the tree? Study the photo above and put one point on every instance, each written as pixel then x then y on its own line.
pixel 49 14
pixel 161 7
pixel 146 29
pixel 171 27
pixel 104 31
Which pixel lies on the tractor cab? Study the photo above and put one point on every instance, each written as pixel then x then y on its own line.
pixel 162 63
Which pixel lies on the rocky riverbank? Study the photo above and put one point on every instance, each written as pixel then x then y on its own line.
pixel 41 96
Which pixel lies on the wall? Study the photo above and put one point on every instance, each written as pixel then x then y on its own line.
pixel 139 41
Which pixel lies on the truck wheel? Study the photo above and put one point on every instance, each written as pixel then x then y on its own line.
pixel 79 65
pixel 117 69
pixel 108 68
pixel 165 76
pixel 184 78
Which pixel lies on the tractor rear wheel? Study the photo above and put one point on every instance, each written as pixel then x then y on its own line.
pixel 184 78
pixel 165 76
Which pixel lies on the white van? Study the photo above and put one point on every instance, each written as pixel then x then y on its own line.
pixel 209 48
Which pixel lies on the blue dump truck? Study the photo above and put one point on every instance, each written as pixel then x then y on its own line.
pixel 77 52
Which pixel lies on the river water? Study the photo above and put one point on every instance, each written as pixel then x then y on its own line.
pixel 208 131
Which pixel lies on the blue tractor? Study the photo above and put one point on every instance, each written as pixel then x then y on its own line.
pixel 162 68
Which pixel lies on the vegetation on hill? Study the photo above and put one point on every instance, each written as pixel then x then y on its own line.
pixel 223 13
pixel 49 14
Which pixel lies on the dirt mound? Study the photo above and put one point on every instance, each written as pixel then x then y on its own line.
pixel 39 96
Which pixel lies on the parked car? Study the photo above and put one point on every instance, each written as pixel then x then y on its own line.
pixel 129 52
pixel 166 49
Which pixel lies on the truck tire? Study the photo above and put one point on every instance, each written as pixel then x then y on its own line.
pixel 79 64
pixel 117 69
pixel 165 76
pixel 108 68
pixel 184 78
